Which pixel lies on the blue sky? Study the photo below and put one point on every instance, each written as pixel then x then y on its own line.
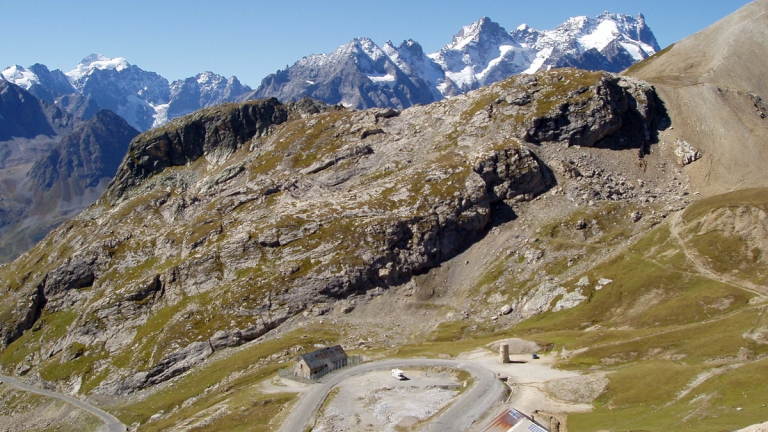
pixel 251 39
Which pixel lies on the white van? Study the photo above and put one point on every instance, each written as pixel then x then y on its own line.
pixel 398 374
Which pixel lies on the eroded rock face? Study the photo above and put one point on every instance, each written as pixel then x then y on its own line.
pixel 222 129
pixel 225 224
pixel 587 121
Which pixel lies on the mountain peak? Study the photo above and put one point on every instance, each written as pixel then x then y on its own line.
pixel 20 76
pixel 412 47
pixel 100 61
pixel 97 61
pixel 484 28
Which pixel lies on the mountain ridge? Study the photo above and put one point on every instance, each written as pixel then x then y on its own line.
pixel 145 99
pixel 725 76
pixel 479 54
pixel 358 74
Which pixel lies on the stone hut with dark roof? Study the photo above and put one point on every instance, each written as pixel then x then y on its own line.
pixel 314 365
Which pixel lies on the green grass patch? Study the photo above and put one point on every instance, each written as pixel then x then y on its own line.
pixel 50 327
pixel 240 388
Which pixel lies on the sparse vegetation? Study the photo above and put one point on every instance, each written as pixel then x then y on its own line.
pixel 197 249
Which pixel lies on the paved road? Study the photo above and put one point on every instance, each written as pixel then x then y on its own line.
pixel 110 421
pixel 458 417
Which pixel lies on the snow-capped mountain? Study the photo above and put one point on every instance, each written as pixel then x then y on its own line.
pixel 614 41
pixel 144 99
pixel 114 84
pixel 358 74
pixel 481 53
pixel 205 89
pixel 38 80
pixel 362 75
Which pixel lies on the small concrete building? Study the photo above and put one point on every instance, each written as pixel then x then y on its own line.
pixel 318 363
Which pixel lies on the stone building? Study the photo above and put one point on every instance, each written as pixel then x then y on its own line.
pixel 318 363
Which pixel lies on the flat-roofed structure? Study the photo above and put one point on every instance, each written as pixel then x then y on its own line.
pixel 512 420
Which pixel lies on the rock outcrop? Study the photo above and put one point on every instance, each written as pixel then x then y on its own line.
pixel 219 130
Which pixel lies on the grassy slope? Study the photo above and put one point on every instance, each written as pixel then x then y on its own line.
pixel 658 327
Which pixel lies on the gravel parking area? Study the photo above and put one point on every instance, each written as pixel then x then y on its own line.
pixel 377 402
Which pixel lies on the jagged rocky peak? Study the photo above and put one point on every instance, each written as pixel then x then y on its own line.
pixel 410 46
pixel 584 33
pixel 362 75
pixel 481 54
pixel 55 81
pixel 203 90
pixel 526 36
pixel 483 30
pixel 358 74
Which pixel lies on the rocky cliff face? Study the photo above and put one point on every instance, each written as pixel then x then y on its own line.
pixel 225 223
pixel 720 68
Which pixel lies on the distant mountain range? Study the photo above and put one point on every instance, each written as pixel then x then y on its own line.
pixel 144 99
pixel 359 74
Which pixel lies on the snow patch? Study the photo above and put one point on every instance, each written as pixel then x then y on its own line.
pixel 97 61
pixel 20 76
pixel 541 57
pixel 464 77
pixel 633 50
pixel 649 50
pixel 161 114
pixel 605 33
pixel 388 80
pixel 131 110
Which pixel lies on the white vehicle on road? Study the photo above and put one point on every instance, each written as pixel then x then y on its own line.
pixel 398 374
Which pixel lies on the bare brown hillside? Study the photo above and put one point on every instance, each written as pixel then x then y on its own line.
pixel 714 85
